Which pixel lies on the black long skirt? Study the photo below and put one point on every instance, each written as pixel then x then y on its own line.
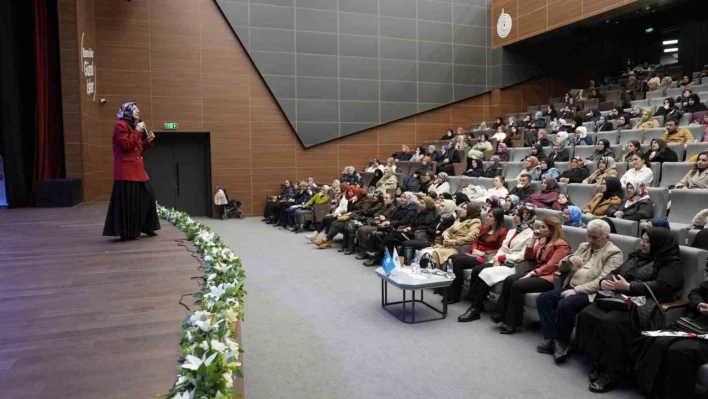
pixel 607 336
pixel 132 210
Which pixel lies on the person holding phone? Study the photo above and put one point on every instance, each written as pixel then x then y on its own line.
pixel 132 209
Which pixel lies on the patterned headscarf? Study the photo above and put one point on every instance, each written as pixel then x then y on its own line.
pixel 640 191
pixel 442 176
pixel 502 148
pixel 412 198
pixel 125 113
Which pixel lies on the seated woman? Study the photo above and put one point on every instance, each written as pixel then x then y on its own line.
pixel 560 153
pixel 610 195
pixel 426 181
pixel 498 122
pixel 494 169
pixel 548 196
pixel 538 122
pixel 511 202
pixel 389 181
pixel 660 153
pixel 399 227
pixel 404 154
pixel 275 202
pixel 697 177
pixel 548 169
pixel 682 100
pixel 551 112
pixel 665 367
pixel 694 104
pixel 647 121
pixel 358 218
pixel 606 167
pixel 602 149
pixel 418 155
pixel 624 123
pixel 502 152
pixel 476 168
pixel 530 168
pixel 359 203
pixel 447 160
pixel 537 151
pixel 499 188
pixel 464 231
pixel 433 153
pixel 607 335
pixel 482 146
pixel 632 147
pixel 343 206
pixel 542 138
pixel 635 112
pixel 603 125
pixel 668 110
pixel 448 136
pixel 640 170
pixel 577 172
pixel 492 202
pixel 390 163
pixel 491 237
pixel 572 216
pixel 500 135
pixel 372 225
pixel 413 182
pixel 321 198
pixel 581 136
pixel 593 115
pixel 544 252
pixel 434 232
pixel 513 134
pixel 350 176
pixel 440 185
pixel 638 205
pixel 302 195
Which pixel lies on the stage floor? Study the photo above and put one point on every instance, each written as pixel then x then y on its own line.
pixel 87 316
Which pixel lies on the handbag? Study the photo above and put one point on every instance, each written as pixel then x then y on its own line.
pixel 608 301
pixel 691 325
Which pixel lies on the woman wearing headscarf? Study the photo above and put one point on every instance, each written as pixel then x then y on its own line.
pixel 560 153
pixel 405 154
pixel 602 150
pixel 548 196
pixel 624 123
pixel 563 137
pixel 482 146
pixel 514 133
pixel 512 122
pixel 482 126
pixel 603 125
pixel 694 104
pixel 530 168
pixel 539 122
pixel 448 136
pixel 660 153
pixel 610 195
pixel 572 216
pixel 647 121
pixel 433 234
pixel 638 205
pixel 486 275
pixel 607 335
pixel 668 110
pixel 440 185
pixel 498 122
pixel 606 167
pixel 461 199
pixel 350 176
pixel 406 221
pixel 476 169
pixel 344 205
pixel 542 138
pixel 359 203
pixel 433 154
pixel 502 152
pixel 364 233
pixel 389 181
pixel 639 171
pixel 593 115
pixel 635 112
pixel 449 157
pixel 492 202
pixel 132 208
pixel 548 169
pixel 581 136
pixel 490 239
pixel 463 231
pixel 378 174
pixel 544 252
pixel 697 177
pixel 577 172
pixel 632 147
pixel 494 169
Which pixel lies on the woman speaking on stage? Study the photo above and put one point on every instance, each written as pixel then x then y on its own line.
pixel 132 209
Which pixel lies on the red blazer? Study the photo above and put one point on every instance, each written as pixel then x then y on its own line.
pixel 547 264
pixel 487 244
pixel 128 147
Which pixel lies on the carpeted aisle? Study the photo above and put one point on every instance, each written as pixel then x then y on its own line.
pixel 315 328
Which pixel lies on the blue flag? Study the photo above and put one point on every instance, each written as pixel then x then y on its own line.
pixel 388 263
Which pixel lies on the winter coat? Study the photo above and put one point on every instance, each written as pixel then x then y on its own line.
pixel 601 207
pixel 640 210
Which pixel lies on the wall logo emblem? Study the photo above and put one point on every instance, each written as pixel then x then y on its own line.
pixel 504 24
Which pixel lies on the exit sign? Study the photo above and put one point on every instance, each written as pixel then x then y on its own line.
pixel 649 30
pixel 171 126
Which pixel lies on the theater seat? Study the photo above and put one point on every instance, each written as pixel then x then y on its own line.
pixel 673 172
pixel 628 135
pixel 454 184
pixel 651 134
pixel 512 169
pixel 612 136
pixel 581 194
pixel 519 154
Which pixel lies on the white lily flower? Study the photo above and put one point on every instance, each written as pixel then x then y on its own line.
pixel 193 362
pixel 217 291
pixel 200 315
pixel 218 346
pixel 229 379
pixel 185 395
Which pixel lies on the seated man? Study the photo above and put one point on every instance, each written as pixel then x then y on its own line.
pixel 523 189
pixel 591 262
pixel 675 134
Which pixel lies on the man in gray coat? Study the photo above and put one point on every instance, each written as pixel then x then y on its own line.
pixel 591 262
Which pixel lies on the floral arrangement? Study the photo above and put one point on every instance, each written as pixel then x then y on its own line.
pixel 210 353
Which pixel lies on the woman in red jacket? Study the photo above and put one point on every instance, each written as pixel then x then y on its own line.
pixel 489 240
pixel 132 209
pixel 545 250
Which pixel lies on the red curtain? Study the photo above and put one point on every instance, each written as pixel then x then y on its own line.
pixel 49 132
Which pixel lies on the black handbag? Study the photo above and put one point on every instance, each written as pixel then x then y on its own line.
pixel 608 301
pixel 691 325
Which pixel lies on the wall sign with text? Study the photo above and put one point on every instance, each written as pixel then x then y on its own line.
pixel 88 68
pixel 504 24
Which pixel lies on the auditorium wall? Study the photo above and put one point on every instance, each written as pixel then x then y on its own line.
pixel 180 61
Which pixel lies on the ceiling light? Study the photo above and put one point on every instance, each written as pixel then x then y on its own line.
pixel 671 50
pixel 667 42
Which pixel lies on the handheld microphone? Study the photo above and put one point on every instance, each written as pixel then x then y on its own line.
pixel 145 133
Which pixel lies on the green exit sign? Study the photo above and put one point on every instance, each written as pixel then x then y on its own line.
pixel 649 30
pixel 171 126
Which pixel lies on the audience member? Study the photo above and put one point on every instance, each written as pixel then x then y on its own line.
pixel 434 232
pixel 492 202
pixel 490 239
pixel 537 152
pixel 351 176
pixel 274 202
pixel 501 266
pixel 603 125
pixel 358 204
pixel 542 138
pixel 301 196
pixel 547 197
pixel 675 134
pixel 462 232
pixel 530 168
pixel 321 198
pixel 482 146
pixel 572 216
pixel 607 335
pixel 659 222
pixel 610 195
pixel 433 154
pixel 389 181
pixel 632 147
pixel 499 189
pixel 502 152
pixel 635 112
pixel 343 206
pixel 668 110
pixel 640 171
pixel 697 177
pixel 476 169
pixel 647 121
pixel 548 169
pixel 448 136
pixel 498 122
pixel 373 224
pixel 581 136
pixel 543 255
pixel 523 188
pixel 440 185
pixel 660 153
pixel 418 155
pixel 494 169
pixel 682 100
pixel 393 230
pixel 591 262
pixel 560 153
pixel 606 167
pixel 551 112
pixel 694 104
pixel 593 115
pixel 449 157
pixel 624 123
pixel 638 205
pixel 577 172
pixel 602 150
